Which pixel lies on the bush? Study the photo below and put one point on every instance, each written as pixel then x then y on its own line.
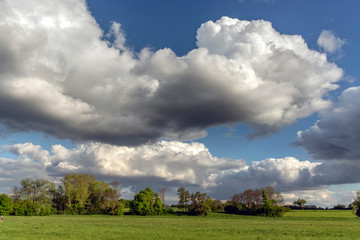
pixel 119 209
pixel 6 205
pixel 356 210
pixel 169 211
pixel 19 209
pixel 270 210
pixel 232 209
pixel 200 204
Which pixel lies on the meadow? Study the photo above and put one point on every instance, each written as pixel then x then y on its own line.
pixel 317 224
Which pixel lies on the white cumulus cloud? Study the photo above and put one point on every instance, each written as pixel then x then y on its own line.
pixel 170 162
pixel 61 75
pixel 173 164
pixel 329 42
pixel 321 197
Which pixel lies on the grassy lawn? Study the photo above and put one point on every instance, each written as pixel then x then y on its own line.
pixel 294 225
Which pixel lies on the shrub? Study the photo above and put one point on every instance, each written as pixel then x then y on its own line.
pixel 201 204
pixel 231 209
pixel 19 209
pixel 6 205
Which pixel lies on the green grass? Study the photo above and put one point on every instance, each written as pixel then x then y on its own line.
pixel 294 225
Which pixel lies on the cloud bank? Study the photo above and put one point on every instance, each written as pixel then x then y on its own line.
pixel 172 164
pixel 61 75
pixel 335 139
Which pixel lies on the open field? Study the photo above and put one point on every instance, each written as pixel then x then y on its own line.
pixel 294 225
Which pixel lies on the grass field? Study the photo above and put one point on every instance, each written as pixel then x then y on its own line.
pixel 294 225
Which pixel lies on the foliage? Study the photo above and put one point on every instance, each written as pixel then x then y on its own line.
pixel 250 202
pixel 146 203
pixel 339 206
pixel 217 205
pixel 125 202
pixel 38 190
pixel 356 204
pixel 78 194
pixel 184 197
pixel 201 204
pixel 300 203
pixel 83 194
pixel 6 205
pixel 231 209
pixel 269 209
pixel 33 198
pixel 77 189
pixel 30 208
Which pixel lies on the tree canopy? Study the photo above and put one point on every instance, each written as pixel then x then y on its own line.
pixel 6 205
pixel 146 202
pixel 300 203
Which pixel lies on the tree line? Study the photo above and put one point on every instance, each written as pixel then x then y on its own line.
pixel 80 194
pixel 77 194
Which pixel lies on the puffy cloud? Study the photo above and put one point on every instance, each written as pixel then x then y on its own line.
pixel 336 136
pixel 28 151
pixel 173 164
pixel 13 171
pixel 284 174
pixel 60 74
pixel 335 140
pixel 329 42
pixel 322 197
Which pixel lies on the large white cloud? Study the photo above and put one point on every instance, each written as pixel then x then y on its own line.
pixel 60 74
pixel 173 164
pixel 190 163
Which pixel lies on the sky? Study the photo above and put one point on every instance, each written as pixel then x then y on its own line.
pixel 215 96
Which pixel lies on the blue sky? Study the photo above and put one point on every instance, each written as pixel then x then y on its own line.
pixel 153 93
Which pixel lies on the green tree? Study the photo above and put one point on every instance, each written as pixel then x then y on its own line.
pixel 217 205
pixel 58 199
pixel 146 203
pixel 184 197
pixel 6 204
pixel 112 196
pixel 300 203
pixel 38 190
pixel 340 207
pixel 97 200
pixel 356 204
pixel 34 197
pixel 270 208
pixel 77 191
pixel 201 204
pixel 267 208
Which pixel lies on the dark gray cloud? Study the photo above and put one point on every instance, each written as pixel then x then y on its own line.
pixel 336 136
pixel 62 76
pixel 337 172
